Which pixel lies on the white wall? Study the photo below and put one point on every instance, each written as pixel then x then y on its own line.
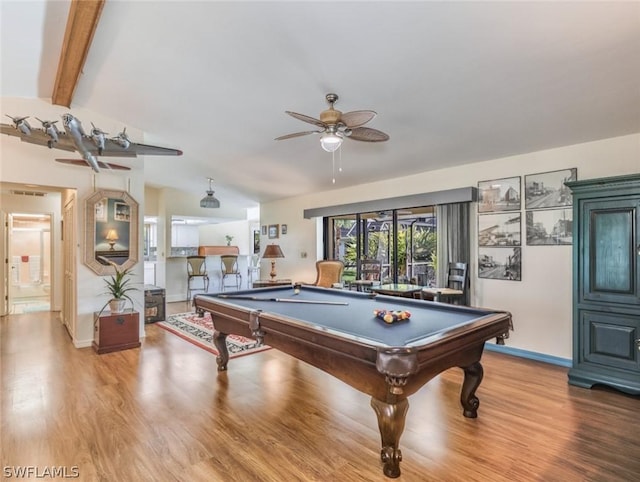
pixel 215 235
pixel 541 302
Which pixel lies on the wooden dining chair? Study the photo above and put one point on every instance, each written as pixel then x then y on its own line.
pixel 370 274
pixel 457 285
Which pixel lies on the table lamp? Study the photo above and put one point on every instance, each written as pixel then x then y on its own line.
pixel 112 237
pixel 273 251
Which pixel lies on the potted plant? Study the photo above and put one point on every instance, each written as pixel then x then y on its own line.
pixel 229 239
pixel 118 285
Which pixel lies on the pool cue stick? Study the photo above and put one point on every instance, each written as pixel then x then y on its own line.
pixel 282 300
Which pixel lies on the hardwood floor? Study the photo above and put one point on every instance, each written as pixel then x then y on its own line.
pixel 163 413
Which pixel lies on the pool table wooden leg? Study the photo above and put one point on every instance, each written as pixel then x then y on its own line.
pixel 391 417
pixel 472 378
pixel 220 342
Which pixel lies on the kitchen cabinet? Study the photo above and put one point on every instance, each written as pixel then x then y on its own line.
pixel 184 236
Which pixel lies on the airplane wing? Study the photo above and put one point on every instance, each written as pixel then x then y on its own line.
pixel 102 165
pixel 112 149
pixel 40 137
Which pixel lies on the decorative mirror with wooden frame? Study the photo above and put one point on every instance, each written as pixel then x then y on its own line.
pixel 111 234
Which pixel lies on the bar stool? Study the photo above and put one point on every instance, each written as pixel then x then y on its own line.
pixel 196 268
pixel 253 269
pixel 229 265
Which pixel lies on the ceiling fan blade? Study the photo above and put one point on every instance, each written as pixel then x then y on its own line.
pixel 296 134
pixel 367 134
pixel 306 118
pixel 357 118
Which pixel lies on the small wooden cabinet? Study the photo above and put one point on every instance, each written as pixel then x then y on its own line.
pixel 606 265
pixel 115 331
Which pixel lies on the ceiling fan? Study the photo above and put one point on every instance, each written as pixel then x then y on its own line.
pixel 335 126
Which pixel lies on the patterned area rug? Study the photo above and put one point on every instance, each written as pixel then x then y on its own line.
pixel 199 331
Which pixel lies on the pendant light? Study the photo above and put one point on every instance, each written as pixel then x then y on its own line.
pixel 209 201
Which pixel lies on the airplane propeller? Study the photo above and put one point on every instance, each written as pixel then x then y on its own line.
pixel 98 137
pixel 21 124
pixel 51 130
pixel 122 139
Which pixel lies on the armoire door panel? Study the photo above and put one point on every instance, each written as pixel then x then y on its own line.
pixel 612 251
pixel 609 259
pixel 610 339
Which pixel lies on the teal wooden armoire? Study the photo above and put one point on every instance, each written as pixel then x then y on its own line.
pixel 606 281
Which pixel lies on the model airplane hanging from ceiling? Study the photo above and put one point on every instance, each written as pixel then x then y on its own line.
pixel 74 139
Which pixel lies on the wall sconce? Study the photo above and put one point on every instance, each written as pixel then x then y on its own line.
pixel 112 237
pixel 273 251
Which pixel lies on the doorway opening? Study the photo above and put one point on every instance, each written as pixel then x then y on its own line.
pixel 29 287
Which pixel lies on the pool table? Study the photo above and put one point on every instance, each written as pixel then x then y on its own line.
pixel 337 332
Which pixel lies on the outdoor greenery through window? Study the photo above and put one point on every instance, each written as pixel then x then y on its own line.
pixel 404 240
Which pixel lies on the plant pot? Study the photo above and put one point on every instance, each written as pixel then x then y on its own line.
pixel 117 305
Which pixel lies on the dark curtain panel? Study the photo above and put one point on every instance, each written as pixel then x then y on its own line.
pixel 454 243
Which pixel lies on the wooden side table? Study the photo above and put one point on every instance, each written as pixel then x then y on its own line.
pixel 115 331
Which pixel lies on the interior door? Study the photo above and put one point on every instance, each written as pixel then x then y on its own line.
pixel 6 272
pixel 69 240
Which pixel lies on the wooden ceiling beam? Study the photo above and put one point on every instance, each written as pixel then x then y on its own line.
pixel 81 25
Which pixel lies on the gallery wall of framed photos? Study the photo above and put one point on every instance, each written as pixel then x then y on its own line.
pixel 548 219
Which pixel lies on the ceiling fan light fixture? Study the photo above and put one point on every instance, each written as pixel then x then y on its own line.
pixel 330 141
pixel 209 201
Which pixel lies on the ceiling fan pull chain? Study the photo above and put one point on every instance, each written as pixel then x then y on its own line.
pixel 340 159
pixel 333 166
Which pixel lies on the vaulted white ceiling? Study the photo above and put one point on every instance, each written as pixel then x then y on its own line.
pixel 452 82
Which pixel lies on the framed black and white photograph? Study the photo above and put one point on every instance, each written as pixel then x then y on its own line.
pixel 264 230
pixel 500 263
pixel 121 211
pixel 273 231
pixel 547 189
pixel 283 229
pixel 550 227
pixel 499 195
pixel 502 229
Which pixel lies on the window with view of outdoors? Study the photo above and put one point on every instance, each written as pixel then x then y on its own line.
pixel 404 240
